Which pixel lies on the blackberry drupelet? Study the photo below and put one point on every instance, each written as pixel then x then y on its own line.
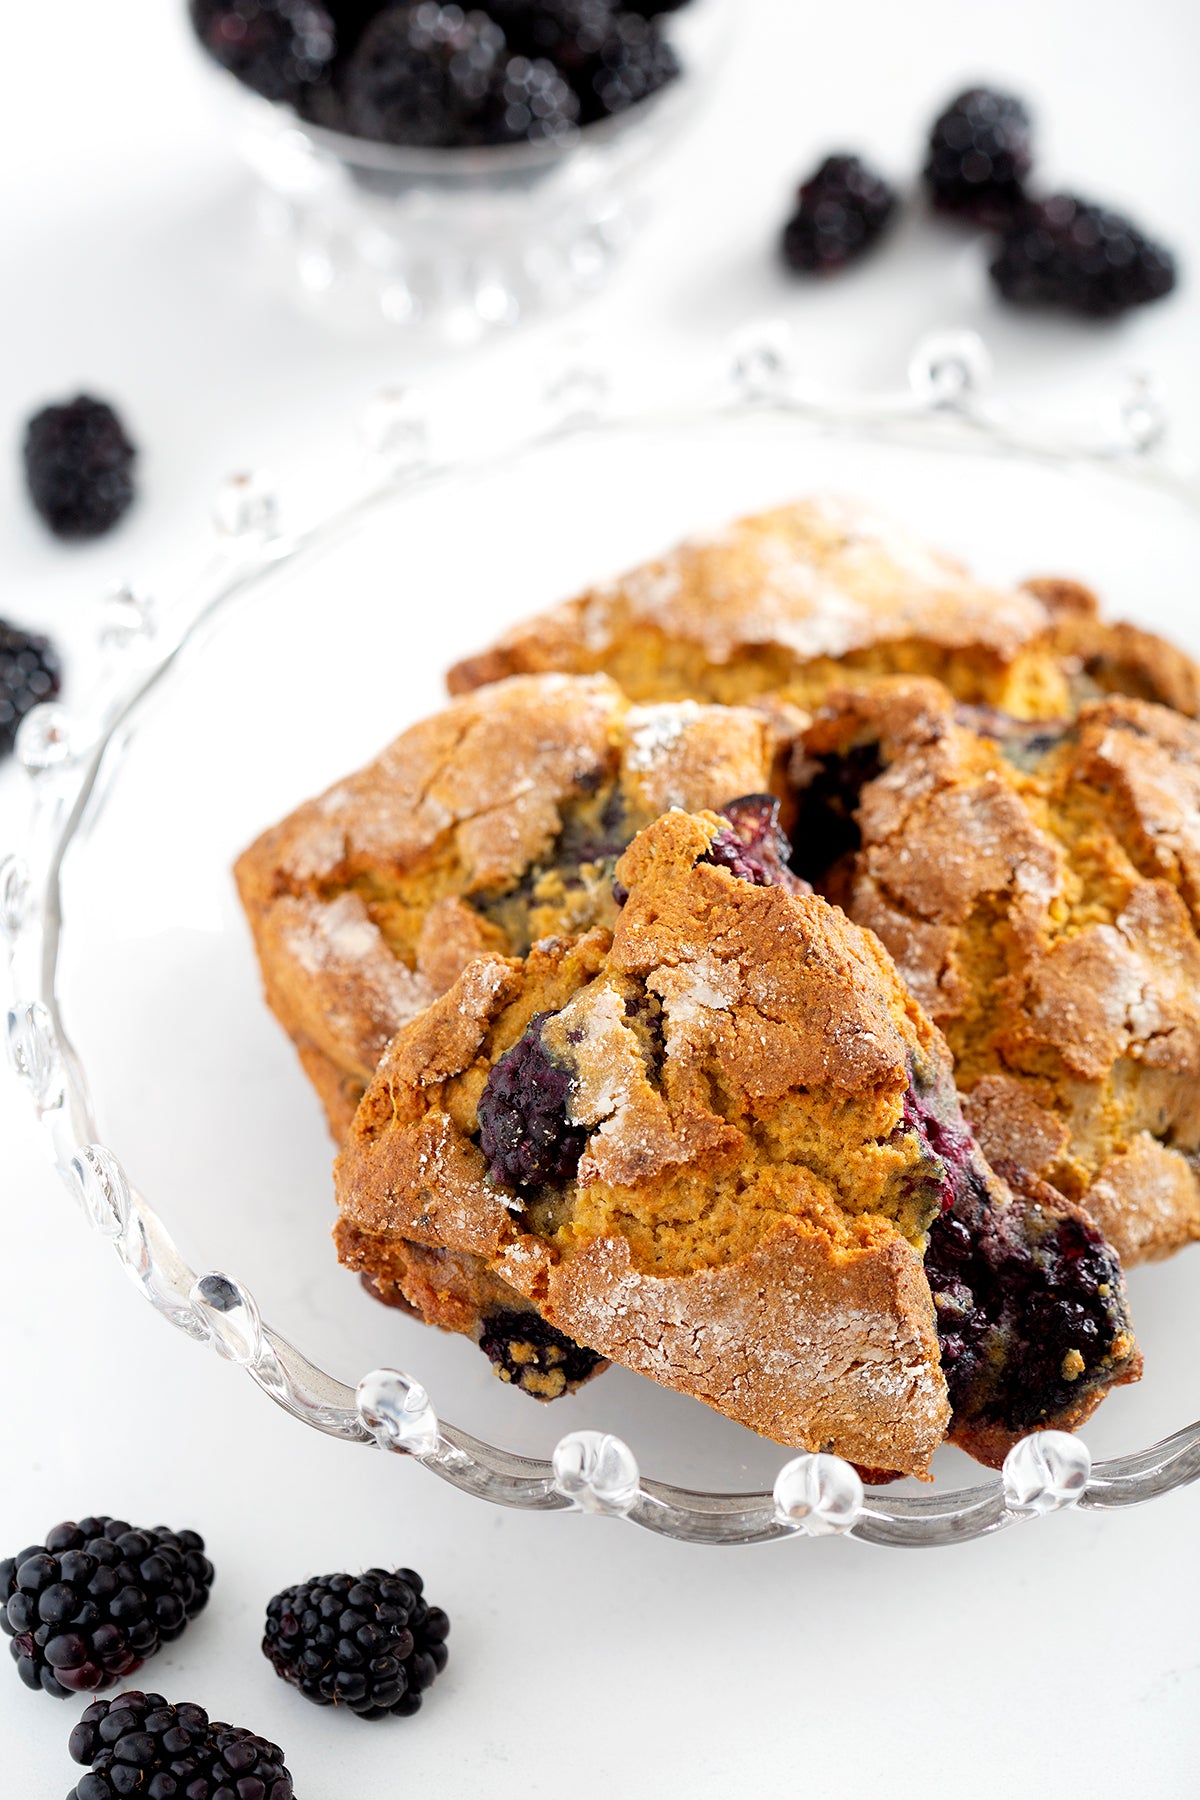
pixel 1065 252
pixel 979 156
pixel 79 467
pixel 423 75
pixel 30 672
pixel 570 32
pixel 368 1642
pixel 138 1744
pixel 277 47
pixel 88 1606
pixel 524 1130
pixel 528 102
pixel 755 847
pixel 533 1356
pixel 844 208
pixel 633 62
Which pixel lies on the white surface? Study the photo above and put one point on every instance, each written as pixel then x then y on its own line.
pixel 1060 1657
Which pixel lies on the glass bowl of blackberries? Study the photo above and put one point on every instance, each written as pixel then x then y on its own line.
pixel 455 167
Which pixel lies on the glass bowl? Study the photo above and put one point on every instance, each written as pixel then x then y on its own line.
pixel 256 689
pixel 460 243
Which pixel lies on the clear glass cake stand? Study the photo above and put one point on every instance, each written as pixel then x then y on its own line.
pixel 296 653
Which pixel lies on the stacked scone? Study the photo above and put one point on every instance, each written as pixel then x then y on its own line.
pixel 775 972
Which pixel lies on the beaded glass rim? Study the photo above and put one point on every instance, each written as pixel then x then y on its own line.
pixel 71 757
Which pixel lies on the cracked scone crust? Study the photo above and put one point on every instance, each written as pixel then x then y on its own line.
pixel 495 822
pixel 791 600
pixel 1039 888
pixel 752 1130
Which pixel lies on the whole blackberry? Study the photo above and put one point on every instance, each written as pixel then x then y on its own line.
pixel 88 1606
pixel 423 75
pixel 276 47
pixel 569 32
pixel 524 1130
pixel 79 467
pixel 979 156
pixel 138 1744
pixel 30 672
pixel 367 1642
pixel 755 847
pixel 534 1356
pixel 843 209
pixel 527 102
pixel 1065 252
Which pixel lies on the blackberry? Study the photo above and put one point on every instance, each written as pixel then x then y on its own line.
pixel 524 1130
pixel 633 62
pixel 533 1356
pixel 979 156
pixel 30 672
pixel 277 47
pixel 843 209
pixel 755 847
pixel 368 1642
pixel 1065 252
pixel 570 32
pixel 88 1606
pixel 79 467
pixel 423 75
pixel 1029 1302
pixel 528 101
pixel 138 1744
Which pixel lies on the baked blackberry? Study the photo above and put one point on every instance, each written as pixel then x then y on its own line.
pixel 1029 1303
pixel 88 1606
pixel 30 672
pixel 979 156
pixel 138 1744
pixel 277 47
pixel 423 75
pixel 755 847
pixel 535 1357
pixel 844 208
pixel 79 467
pixel 370 1642
pixel 528 101
pixel 1067 253
pixel 524 1130
pixel 828 792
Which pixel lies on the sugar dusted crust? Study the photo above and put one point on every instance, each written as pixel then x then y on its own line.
pixel 366 903
pixel 1039 891
pixel 789 600
pixel 806 1321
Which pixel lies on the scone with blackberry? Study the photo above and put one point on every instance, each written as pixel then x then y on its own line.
pixel 721 1144
pixel 1039 888
pixel 793 599
pixel 494 823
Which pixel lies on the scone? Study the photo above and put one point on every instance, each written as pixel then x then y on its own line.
pixel 721 1145
pixel 791 600
pixel 492 824
pixel 1039 888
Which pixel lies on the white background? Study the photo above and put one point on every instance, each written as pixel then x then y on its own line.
pixel 587 1658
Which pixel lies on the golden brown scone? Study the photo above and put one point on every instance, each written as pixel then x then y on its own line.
pixel 792 600
pixel 491 824
pixel 1039 888
pixel 723 1147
